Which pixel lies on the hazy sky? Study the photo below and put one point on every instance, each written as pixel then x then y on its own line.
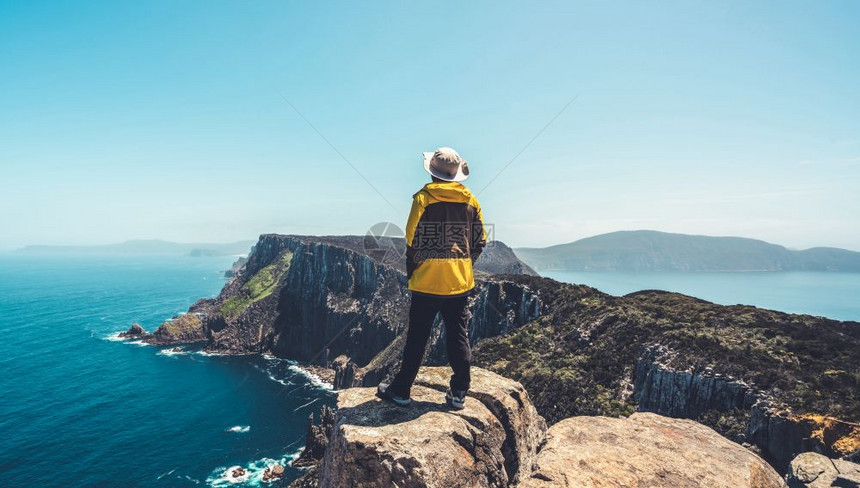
pixel 123 120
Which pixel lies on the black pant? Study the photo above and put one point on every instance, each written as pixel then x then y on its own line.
pixel 422 313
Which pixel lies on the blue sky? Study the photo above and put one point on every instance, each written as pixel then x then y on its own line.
pixel 123 120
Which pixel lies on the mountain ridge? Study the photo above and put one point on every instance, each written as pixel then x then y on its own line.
pixel 649 250
pixel 146 246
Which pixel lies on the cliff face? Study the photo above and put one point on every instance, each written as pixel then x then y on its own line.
pixel 336 301
pixel 315 299
pixel 689 394
pixel 782 382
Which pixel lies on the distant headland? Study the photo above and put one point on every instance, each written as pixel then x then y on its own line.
pixel 148 246
pixel 648 250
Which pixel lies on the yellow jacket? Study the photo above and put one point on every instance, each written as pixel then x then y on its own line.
pixel 444 237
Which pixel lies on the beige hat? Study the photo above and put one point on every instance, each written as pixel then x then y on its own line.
pixel 446 164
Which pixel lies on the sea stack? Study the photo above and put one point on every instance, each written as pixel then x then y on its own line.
pixel 135 331
pixel 273 472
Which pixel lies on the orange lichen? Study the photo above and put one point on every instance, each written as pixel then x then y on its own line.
pixel 848 443
pixel 838 435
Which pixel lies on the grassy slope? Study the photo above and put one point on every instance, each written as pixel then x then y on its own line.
pixel 258 287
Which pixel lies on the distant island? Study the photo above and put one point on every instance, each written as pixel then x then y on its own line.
pixel 148 246
pixel 647 250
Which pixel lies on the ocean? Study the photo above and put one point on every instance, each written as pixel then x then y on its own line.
pixel 832 295
pixel 80 408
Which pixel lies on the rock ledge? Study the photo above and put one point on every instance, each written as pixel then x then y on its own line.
pixel 499 440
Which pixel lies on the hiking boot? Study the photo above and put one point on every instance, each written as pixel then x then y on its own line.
pixel 383 392
pixel 456 399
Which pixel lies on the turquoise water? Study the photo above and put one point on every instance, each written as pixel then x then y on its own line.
pixel 80 409
pixel 832 295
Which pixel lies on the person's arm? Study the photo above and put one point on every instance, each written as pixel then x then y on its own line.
pixel 478 234
pixel 411 228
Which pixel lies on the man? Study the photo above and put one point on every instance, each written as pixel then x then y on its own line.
pixel 444 237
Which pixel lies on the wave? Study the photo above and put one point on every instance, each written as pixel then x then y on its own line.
pixel 166 474
pixel 222 476
pixel 170 475
pixel 268 370
pixel 313 378
pixel 172 352
pixel 239 429
pixel 114 337
pixel 209 354
pixel 305 405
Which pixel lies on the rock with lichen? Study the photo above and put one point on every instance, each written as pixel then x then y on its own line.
pixel 813 470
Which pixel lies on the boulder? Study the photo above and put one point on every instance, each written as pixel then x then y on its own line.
pixel 134 331
pixel 813 470
pixel 645 449
pixel 428 445
pixel 509 402
pixel 182 329
pixel 273 472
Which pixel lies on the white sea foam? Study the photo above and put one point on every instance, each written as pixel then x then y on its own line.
pixel 209 354
pixel 268 372
pixel 314 379
pixel 226 478
pixel 278 380
pixel 240 429
pixel 222 477
pixel 115 337
pixel 305 405
pixel 171 352
pixel 166 474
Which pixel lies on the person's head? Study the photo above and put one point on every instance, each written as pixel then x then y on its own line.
pixel 445 164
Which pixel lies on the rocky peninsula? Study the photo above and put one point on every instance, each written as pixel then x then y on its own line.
pixel 777 384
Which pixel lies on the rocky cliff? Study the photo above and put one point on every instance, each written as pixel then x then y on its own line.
pixel 780 382
pixel 499 440
pixel 317 299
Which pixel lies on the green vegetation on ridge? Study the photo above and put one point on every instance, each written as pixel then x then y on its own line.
pixel 258 287
pixel 577 359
